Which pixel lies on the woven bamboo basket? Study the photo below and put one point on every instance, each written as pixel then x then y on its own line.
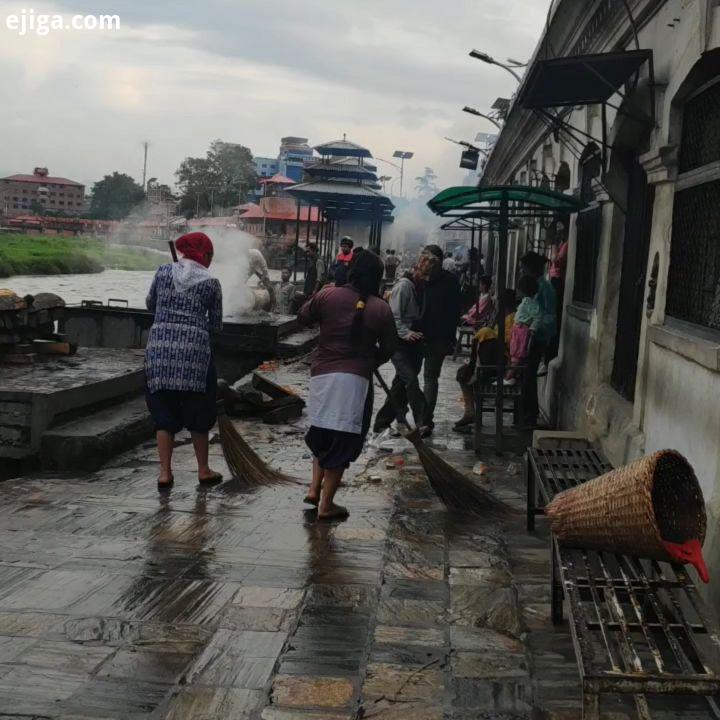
pixel 631 510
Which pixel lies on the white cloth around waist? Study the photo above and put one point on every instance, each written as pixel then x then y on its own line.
pixel 337 401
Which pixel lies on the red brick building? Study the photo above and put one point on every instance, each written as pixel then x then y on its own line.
pixel 20 193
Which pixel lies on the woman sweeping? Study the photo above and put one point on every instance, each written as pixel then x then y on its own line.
pixel 357 334
pixel 181 383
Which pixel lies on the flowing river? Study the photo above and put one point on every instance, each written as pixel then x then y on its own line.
pixel 130 285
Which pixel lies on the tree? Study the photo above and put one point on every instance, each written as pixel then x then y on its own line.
pixel 220 179
pixel 425 184
pixel 114 197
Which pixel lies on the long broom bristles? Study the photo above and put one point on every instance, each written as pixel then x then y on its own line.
pixel 244 463
pixel 456 491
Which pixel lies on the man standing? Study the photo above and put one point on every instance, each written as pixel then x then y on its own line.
pixel 341 266
pixel 391 265
pixel 408 358
pixel 284 293
pixel 441 308
pixel 315 273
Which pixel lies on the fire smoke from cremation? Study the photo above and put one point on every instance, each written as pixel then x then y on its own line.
pixel 230 266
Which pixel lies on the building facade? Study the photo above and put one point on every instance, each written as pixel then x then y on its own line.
pixel 21 194
pixel 265 167
pixel 638 367
pixel 294 153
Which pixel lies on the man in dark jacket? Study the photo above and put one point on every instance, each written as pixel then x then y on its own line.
pixel 440 311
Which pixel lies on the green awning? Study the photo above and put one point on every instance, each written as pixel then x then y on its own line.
pixel 524 201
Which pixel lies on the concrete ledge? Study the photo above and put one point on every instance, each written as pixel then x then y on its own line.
pixel 87 442
pixel 688 343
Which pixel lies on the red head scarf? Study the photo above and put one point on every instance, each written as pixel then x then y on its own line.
pixel 195 246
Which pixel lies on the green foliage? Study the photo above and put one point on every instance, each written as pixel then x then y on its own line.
pixel 114 197
pixel 222 178
pixel 425 184
pixel 53 255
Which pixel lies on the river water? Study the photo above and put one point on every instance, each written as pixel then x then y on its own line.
pixel 130 285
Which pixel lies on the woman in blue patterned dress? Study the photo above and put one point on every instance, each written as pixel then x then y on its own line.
pixel 181 383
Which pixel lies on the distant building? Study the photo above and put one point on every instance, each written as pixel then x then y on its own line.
pixel 265 167
pixel 20 193
pixel 294 153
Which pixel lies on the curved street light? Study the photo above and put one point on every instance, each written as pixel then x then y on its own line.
pixel 473 111
pixel 479 55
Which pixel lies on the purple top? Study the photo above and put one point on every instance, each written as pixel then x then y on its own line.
pixel 334 309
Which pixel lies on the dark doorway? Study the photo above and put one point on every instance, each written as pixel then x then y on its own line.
pixel 638 223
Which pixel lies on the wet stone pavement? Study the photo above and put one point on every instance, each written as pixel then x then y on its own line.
pixel 225 603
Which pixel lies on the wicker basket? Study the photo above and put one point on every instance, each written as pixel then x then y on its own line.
pixel 631 510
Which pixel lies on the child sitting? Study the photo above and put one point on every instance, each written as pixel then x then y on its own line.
pixel 527 320
pixel 482 313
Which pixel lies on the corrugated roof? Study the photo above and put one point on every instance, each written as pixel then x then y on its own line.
pixel 344 148
pixel 278 179
pixel 279 214
pixel 42 180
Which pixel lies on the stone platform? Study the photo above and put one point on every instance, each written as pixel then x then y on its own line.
pixel 117 603
pixel 32 397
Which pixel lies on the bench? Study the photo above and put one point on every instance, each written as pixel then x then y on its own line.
pixel 464 342
pixel 638 627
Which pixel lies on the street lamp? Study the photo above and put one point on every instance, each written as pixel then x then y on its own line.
pixel 402 155
pixel 473 111
pixel 383 179
pixel 479 55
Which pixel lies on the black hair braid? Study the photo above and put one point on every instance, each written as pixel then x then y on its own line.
pixel 366 273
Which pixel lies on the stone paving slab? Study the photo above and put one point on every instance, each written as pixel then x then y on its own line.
pixel 232 603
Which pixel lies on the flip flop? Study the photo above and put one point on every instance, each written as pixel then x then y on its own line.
pixel 213 479
pixel 337 512
pixel 166 485
pixel 307 499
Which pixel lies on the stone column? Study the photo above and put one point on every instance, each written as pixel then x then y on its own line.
pixel 660 164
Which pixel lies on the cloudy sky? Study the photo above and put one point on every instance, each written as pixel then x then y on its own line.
pixel 392 74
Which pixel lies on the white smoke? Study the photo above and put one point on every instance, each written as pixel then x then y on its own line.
pixel 414 226
pixel 231 267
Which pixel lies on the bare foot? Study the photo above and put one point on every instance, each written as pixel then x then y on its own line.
pixel 209 477
pixel 165 480
pixel 334 512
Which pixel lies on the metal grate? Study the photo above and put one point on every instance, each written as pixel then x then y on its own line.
pixel 701 130
pixel 638 626
pixel 694 275
pixel 589 226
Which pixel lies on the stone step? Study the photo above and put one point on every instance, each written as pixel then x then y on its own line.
pixel 297 343
pixel 86 443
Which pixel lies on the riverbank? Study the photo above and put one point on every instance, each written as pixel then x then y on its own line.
pixel 52 255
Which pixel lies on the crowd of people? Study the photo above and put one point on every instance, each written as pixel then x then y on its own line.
pixel 412 323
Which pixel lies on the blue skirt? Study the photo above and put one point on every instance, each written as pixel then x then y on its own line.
pixel 173 410
pixel 335 449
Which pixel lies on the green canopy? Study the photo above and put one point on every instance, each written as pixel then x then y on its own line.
pixel 499 206
pixel 526 201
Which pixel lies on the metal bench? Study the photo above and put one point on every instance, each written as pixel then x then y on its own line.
pixel 638 626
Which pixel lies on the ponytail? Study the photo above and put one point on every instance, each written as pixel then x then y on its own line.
pixel 358 323
pixel 366 271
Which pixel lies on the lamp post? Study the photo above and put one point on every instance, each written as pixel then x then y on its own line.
pixel 402 155
pixel 383 179
pixel 473 111
pixel 479 55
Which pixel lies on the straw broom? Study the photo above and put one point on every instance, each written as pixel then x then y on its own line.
pixel 456 491
pixel 242 461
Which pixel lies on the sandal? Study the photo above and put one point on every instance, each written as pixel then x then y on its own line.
pixel 337 512
pixel 213 479
pixel 310 501
pixel 161 486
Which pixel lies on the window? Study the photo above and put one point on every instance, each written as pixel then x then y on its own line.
pixel 694 276
pixel 589 227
